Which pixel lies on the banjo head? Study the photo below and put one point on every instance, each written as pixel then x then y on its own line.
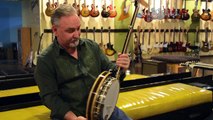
pixel 102 97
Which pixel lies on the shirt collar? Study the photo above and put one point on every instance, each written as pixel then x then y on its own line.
pixel 60 50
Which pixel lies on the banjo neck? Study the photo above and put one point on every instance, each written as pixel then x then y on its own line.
pixel 128 36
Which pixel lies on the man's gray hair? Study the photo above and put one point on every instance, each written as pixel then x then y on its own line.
pixel 62 10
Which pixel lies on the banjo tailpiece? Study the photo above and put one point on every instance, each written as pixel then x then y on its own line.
pixel 104 93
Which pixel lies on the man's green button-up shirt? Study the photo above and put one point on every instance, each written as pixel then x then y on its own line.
pixel 64 81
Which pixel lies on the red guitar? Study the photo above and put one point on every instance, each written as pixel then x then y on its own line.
pixel 112 10
pixel 184 12
pixel 148 14
pixel 94 10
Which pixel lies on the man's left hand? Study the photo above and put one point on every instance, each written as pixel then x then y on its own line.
pixel 123 61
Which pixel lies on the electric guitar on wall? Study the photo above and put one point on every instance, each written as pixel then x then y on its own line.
pixel 85 11
pixel 179 43
pixel 166 10
pixel 206 13
pixel 155 48
pixel 101 45
pixel 124 11
pixel 105 10
pixel 109 50
pixel 170 43
pixel 137 48
pixel 50 8
pixel 143 46
pixel 94 10
pixel 195 15
pixel 165 43
pixel 205 47
pixel 149 47
pixel 154 11
pixel 161 14
pixel 148 14
pixel 184 12
pixel 76 6
pixel 112 10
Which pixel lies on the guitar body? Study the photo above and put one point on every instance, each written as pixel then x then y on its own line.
pixel 177 14
pixel 112 11
pixel 170 47
pixel 141 14
pixel 172 14
pixel 148 16
pixel 166 13
pixel 85 11
pixel 105 12
pixel 154 13
pixel 77 7
pixel 205 47
pixel 195 15
pixel 50 9
pixel 94 11
pixel 205 15
pixel 185 14
pixel 179 46
pixel 165 47
pixel 110 50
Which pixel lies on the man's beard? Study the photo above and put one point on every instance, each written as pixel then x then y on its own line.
pixel 74 44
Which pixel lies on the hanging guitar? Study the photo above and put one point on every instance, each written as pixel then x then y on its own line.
pixel 124 11
pixel 195 17
pixel 137 46
pixel 166 10
pixel 143 46
pixel 184 12
pixel 161 14
pixel 179 43
pixel 105 10
pixel 148 15
pixel 105 90
pixel 170 43
pixel 101 44
pixel 85 11
pixel 165 43
pixel 112 10
pixel 149 47
pixel 154 11
pixel 206 13
pixel 50 8
pixel 110 51
pixel 76 6
pixel 187 41
pixel 155 48
pixel 94 10
pixel 205 47
pixel 177 12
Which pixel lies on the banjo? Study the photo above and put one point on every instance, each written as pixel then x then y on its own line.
pixel 104 93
